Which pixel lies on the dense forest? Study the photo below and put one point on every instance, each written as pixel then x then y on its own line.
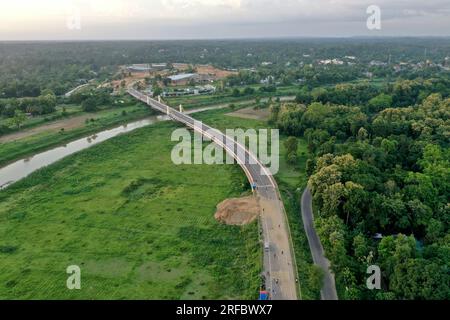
pixel 28 68
pixel 380 178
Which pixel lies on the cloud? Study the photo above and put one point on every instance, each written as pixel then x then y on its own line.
pixel 222 18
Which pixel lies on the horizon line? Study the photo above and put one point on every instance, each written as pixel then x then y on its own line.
pixel 233 38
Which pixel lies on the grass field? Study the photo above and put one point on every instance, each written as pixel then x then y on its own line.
pixel 138 226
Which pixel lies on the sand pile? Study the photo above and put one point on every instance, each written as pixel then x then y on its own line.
pixel 238 211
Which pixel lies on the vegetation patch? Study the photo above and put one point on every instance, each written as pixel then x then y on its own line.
pixel 138 226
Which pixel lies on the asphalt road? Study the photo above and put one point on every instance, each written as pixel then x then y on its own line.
pixel 328 291
pixel 279 265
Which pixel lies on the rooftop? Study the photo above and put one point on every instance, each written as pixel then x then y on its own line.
pixel 181 76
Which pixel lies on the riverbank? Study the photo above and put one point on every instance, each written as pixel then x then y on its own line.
pixel 43 139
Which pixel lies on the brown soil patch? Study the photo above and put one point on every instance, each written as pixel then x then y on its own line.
pixel 239 211
pixel 66 124
pixel 250 113
pixel 206 70
pixel 217 73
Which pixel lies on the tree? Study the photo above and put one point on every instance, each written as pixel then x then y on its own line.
pixel 47 101
pixel 89 105
pixel 315 278
pixel 361 248
pixel 303 96
pixel 157 91
pixel 18 119
pixel 236 92
pixel 362 134
pixel 380 102
pixel 248 91
pixel 291 144
pixel 420 279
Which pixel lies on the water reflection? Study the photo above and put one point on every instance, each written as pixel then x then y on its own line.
pixel 22 168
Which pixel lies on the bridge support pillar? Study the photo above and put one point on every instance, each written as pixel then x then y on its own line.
pixel 181 108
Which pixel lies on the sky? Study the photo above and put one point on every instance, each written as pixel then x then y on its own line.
pixel 194 19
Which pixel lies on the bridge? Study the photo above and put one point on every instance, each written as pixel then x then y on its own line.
pixel 280 269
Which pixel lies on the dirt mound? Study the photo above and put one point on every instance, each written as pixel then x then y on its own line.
pixel 238 211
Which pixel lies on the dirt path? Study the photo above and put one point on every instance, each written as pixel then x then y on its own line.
pixel 67 124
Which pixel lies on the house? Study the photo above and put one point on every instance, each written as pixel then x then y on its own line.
pixel 159 66
pixel 207 89
pixel 268 80
pixel 183 78
pixel 375 63
pixel 142 67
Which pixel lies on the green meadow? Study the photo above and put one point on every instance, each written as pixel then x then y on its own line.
pixel 138 226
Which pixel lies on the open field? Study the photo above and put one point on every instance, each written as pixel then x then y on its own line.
pixel 86 200
pixel 137 225
pixel 65 124
pixel 70 110
pixel 251 113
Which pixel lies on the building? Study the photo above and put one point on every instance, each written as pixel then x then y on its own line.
pixel 159 66
pixel 183 78
pixel 375 63
pixel 207 89
pixel 268 80
pixel 147 67
pixel 331 61
pixel 142 67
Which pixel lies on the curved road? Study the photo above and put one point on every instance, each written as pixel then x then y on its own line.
pixel 279 263
pixel 328 291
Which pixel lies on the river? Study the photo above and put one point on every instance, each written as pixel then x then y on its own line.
pixel 22 168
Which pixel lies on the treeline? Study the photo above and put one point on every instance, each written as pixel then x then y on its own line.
pixel 28 68
pixel 381 183
pixel 90 100
pixel 314 75
pixel 249 91
pixel 43 104
pixel 400 93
